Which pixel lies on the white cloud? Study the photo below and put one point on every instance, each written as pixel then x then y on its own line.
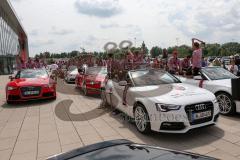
pixel 92 23
pixel 98 8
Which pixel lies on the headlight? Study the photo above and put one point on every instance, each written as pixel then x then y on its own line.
pixel 46 86
pixel 50 85
pixel 167 107
pixel 10 88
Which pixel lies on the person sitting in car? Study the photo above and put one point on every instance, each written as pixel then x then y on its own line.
pixel 233 67
pixel 186 65
pixel 174 63
pixel 204 62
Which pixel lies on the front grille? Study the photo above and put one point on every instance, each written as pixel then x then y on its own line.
pixel 172 126
pixel 13 97
pixel 30 91
pixel 191 110
pixel 50 94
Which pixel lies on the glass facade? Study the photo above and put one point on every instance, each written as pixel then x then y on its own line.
pixel 9 39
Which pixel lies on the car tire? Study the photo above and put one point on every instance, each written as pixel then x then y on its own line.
pixel 141 119
pixel 9 102
pixel 84 89
pixel 226 103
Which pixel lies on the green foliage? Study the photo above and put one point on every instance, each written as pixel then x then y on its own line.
pixel 155 51
pixel 213 49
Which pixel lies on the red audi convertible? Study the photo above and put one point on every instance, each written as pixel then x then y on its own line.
pixel 91 79
pixel 30 84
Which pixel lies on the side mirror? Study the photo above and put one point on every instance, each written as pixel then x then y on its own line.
pixel 80 71
pixel 122 83
pixel 197 77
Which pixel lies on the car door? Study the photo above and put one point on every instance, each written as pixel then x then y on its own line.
pixel 118 94
pixel 111 93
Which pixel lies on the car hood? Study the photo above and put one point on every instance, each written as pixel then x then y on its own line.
pixel 124 149
pixel 29 81
pixel 178 93
pixel 95 77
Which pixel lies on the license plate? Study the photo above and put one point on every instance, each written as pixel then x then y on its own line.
pixel 31 92
pixel 201 115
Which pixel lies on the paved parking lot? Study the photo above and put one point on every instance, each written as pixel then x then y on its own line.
pixel 37 130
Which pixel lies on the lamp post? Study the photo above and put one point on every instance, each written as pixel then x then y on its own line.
pixel 135 41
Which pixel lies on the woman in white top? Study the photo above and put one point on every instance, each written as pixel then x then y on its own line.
pixel 233 67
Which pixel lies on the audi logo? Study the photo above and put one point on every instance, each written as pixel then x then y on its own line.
pixel 200 107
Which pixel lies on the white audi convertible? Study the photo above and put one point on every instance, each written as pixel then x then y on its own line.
pixel 218 81
pixel 158 101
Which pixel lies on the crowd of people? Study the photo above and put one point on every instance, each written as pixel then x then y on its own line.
pixel 128 60
pixel 30 64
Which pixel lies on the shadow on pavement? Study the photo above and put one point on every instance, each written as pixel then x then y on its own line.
pixel 187 141
pixel 234 117
pixel 64 88
pixel 71 89
pixel 62 111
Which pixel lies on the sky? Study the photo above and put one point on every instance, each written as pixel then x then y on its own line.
pixel 66 25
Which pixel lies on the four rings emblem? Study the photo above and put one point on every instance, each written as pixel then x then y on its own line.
pixel 200 107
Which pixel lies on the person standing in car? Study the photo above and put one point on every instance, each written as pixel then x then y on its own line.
pixel 196 56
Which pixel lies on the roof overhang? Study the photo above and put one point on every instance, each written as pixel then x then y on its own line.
pixel 13 21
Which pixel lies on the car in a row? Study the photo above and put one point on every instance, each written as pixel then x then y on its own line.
pixel 218 81
pixel 30 84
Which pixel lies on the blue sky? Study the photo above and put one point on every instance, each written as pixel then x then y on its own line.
pixel 66 25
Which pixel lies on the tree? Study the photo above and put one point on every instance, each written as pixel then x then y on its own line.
pixel 231 48
pixel 184 50
pixel 155 51
pixel 213 49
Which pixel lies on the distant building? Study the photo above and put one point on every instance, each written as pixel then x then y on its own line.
pixel 13 38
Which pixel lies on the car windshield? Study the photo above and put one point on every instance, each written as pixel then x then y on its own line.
pixel 96 70
pixel 217 73
pixel 32 74
pixel 152 77
pixel 75 71
pixel 71 68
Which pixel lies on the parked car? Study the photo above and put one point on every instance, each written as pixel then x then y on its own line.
pixel 218 81
pixel 124 149
pixel 158 101
pixel 91 79
pixel 225 60
pixel 30 84
pixel 71 76
pixel 70 69
pixel 211 58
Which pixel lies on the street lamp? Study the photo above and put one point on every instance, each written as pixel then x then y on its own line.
pixel 135 42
